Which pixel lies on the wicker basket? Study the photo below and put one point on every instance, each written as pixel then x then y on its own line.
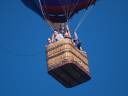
pixel 67 64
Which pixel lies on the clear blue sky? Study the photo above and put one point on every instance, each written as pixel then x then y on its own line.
pixel 23 68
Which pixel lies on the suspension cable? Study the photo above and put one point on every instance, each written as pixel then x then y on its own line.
pixel 71 12
pixel 43 13
pixel 64 8
pixel 83 16
pixel 73 8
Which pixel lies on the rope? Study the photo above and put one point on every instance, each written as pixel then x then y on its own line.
pixel 43 13
pixel 73 8
pixel 71 11
pixel 67 11
pixel 83 18
pixel 64 8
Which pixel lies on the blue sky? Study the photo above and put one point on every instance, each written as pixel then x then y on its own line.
pixel 23 68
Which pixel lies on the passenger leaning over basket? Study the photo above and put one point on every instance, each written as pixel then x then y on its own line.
pixel 67 33
pixel 57 36
pixel 49 41
pixel 77 42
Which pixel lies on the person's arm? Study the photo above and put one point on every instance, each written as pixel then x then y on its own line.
pixel 68 30
pixel 53 39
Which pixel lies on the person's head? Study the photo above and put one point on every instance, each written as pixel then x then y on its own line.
pixel 66 33
pixel 55 33
pixel 74 40
pixel 49 40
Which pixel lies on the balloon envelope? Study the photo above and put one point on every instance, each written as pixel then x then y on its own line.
pixel 58 10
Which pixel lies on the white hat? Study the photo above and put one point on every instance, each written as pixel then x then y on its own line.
pixel 55 32
pixel 49 39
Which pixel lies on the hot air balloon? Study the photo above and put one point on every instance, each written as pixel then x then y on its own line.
pixel 66 62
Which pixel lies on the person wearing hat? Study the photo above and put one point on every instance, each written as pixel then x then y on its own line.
pixel 49 41
pixel 67 33
pixel 77 42
pixel 57 36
